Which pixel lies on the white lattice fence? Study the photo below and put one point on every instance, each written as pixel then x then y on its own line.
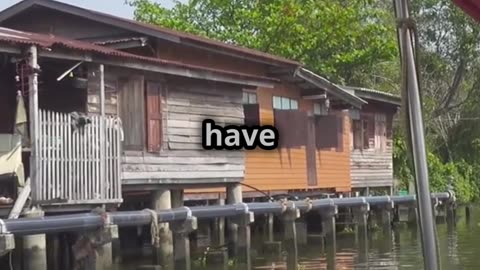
pixel 70 162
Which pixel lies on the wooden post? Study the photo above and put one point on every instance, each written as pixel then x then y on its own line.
pixel 234 196
pixel 102 132
pixel 34 120
pixel 290 237
pixel 329 234
pixel 163 252
pixel 34 247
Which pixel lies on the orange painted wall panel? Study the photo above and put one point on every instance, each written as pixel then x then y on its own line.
pixel 285 169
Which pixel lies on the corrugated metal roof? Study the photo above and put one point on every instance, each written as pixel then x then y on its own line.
pixel 372 93
pixel 50 41
pixel 144 28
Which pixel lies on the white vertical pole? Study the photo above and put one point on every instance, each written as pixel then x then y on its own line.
pixel 33 114
pixel 102 132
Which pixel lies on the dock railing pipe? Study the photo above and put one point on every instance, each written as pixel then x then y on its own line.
pixel 90 221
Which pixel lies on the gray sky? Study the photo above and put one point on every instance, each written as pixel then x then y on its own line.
pixel 114 7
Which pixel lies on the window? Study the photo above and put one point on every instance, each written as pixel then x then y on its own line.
pixel 283 103
pixel 249 97
pixel 251 109
pixel 320 109
pixel 365 133
pixel 329 132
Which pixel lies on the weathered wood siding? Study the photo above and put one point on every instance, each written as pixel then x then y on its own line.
pixel 60 24
pixel 285 169
pixel 194 56
pixel 373 167
pixel 185 104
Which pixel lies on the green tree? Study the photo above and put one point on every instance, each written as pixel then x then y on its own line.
pixel 350 42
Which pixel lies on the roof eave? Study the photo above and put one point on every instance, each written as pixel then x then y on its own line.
pixel 131 26
pixel 329 87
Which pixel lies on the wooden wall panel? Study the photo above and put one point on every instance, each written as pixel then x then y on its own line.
pixel 286 169
pixel 374 167
pixel 181 158
pixel 333 167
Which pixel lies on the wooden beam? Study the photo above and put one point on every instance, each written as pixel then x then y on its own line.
pixel 187 72
pixel 127 44
pixel 322 96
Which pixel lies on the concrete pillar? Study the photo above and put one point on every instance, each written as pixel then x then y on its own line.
pixel 93 250
pixel 451 210
pixel 271 249
pixel 385 218
pixel 361 230
pixel 244 240
pixel 219 227
pixel 34 247
pixel 234 196
pixel 301 227
pixel 181 231
pixel 182 242
pixel 329 234
pixel 163 253
pixel 290 237
pixel 412 216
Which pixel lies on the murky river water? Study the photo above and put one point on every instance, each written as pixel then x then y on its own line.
pixel 459 249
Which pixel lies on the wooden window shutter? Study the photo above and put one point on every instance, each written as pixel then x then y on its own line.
pixel 154 116
pixel 292 127
pixel 339 133
pixel 326 129
pixel 252 114
pixel 369 126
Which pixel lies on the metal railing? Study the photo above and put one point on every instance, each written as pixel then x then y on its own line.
pixel 89 221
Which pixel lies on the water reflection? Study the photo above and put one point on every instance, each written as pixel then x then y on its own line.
pixel 397 249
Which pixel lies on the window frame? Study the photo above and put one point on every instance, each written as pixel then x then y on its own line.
pixel 284 103
pixel 249 95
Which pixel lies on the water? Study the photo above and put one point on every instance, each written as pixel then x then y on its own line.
pixel 459 248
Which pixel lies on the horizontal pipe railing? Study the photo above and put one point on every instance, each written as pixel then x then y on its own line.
pixel 89 221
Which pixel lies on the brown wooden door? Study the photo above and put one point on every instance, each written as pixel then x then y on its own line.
pixel 154 116
pixel 311 152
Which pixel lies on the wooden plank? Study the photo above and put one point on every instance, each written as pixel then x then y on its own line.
pixel 154 116
pixel 181 175
pixel 132 111
pixel 180 168
pixel 182 160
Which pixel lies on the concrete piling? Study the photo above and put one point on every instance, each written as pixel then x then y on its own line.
pixel 181 231
pixel 360 214
pixel 163 253
pixel 34 247
pixel 329 235
pixel 234 196
pixel 243 246
pixel 182 242
pixel 290 237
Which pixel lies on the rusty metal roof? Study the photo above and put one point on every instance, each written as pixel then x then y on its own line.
pixel 147 29
pixel 16 37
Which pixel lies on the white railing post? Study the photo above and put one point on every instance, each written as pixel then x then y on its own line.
pixel 102 132
pixel 33 112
